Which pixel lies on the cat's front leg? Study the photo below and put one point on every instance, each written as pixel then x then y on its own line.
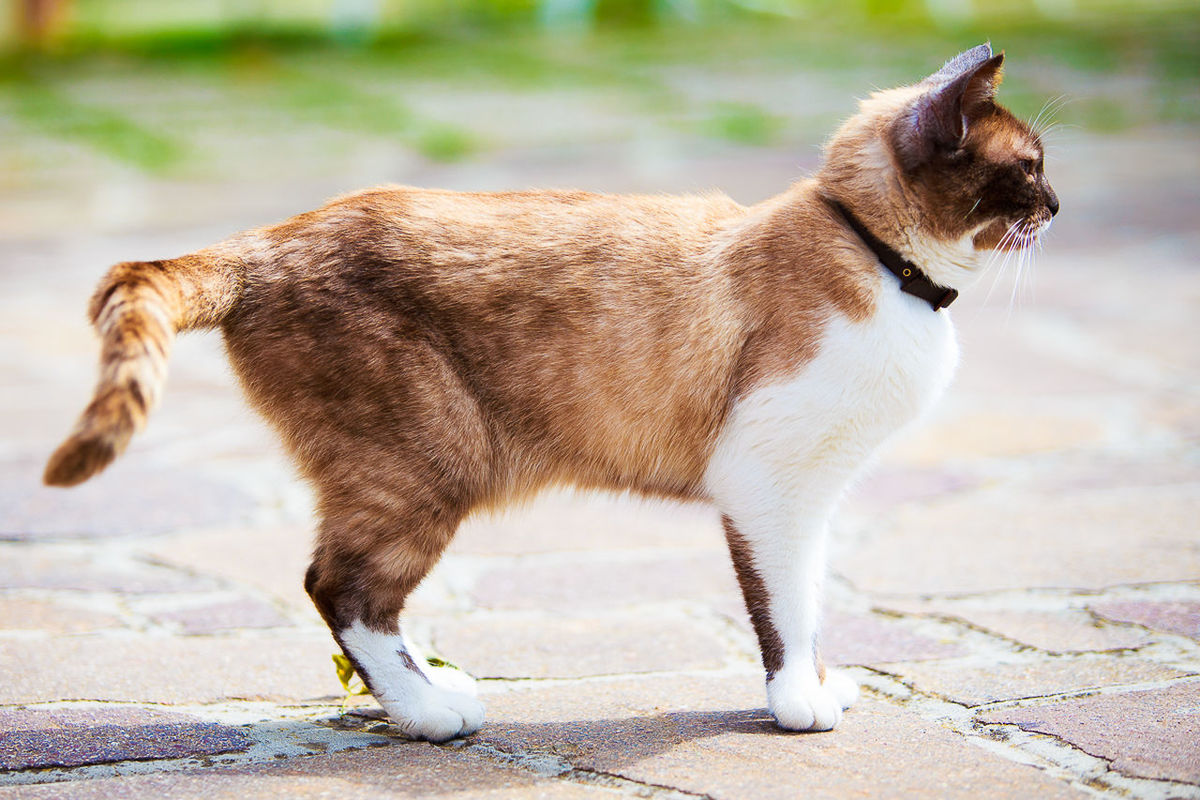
pixel 780 564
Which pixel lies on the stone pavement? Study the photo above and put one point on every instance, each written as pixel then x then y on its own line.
pixel 1017 586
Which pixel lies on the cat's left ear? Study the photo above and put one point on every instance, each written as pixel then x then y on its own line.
pixel 957 94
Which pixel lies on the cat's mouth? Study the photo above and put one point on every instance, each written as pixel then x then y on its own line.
pixel 1012 235
pixel 1025 232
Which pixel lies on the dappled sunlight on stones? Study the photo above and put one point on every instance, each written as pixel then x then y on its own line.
pixel 1181 617
pixel 70 737
pixel 1154 733
pixel 982 681
pixel 1066 630
pixel 570 646
pixel 130 499
pixel 606 582
pixel 24 614
pixel 162 669
pixel 411 770
pixel 712 737
pixel 988 542
pixel 68 568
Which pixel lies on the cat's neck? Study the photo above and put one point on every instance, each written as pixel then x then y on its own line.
pixel 861 175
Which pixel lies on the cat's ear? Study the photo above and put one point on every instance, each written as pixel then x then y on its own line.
pixel 956 94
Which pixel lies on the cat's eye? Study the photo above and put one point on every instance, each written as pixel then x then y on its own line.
pixel 1027 165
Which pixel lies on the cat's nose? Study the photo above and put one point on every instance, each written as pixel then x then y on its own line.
pixel 1051 200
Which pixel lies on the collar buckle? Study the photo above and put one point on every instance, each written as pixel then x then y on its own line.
pixel 912 280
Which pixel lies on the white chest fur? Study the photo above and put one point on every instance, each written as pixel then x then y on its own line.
pixel 809 432
pixel 781 463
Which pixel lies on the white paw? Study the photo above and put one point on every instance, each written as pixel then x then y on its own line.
pixel 445 677
pixel 844 688
pixel 803 705
pixel 409 695
pixel 435 715
pixel 451 679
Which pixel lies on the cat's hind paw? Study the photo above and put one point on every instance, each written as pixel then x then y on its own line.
pixel 437 715
pixel 452 679
pixel 422 707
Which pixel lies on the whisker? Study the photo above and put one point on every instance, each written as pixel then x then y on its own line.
pixel 1013 295
pixel 1005 255
pixel 1050 108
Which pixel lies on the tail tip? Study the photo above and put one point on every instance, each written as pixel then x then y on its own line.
pixel 76 460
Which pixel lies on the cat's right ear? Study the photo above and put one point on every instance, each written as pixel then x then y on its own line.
pixel 957 93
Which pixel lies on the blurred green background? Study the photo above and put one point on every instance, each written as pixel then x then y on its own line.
pixel 339 93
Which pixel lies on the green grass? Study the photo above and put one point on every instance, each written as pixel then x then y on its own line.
pixel 302 78
pixel 742 123
pixel 49 112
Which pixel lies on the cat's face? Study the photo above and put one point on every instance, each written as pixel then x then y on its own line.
pixel 974 168
pixel 942 161
pixel 993 186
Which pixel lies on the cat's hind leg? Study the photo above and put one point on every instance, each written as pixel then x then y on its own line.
pixel 388 510
pixel 358 580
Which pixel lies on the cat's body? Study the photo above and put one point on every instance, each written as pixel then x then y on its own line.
pixel 425 354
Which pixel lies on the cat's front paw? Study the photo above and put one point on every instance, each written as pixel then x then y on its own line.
pixel 844 688
pixel 436 715
pixel 805 704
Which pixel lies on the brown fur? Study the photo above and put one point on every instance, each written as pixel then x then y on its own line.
pixel 426 353
pixel 758 601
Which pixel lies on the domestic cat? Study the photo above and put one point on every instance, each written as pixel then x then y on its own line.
pixel 426 354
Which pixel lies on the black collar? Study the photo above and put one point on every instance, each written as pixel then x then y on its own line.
pixel 912 279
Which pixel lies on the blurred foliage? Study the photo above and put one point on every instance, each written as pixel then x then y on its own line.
pixel 130 78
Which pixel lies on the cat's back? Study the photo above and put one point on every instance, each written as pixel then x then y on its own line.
pixel 431 232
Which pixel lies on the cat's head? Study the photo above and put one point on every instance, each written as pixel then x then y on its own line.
pixel 941 166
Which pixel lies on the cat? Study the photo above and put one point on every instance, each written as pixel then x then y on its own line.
pixel 427 354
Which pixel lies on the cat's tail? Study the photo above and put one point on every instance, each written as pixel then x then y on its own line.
pixel 137 310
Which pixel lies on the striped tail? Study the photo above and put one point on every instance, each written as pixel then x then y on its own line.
pixel 137 310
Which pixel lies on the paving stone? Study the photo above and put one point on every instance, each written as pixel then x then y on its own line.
pixel 50 567
pixel 158 669
pixel 20 614
pixel 891 486
pixel 401 771
pixel 871 639
pixel 598 582
pixel 1178 413
pixel 126 500
pixel 855 638
pixel 1063 631
pixel 985 542
pixel 271 559
pixel 72 737
pixel 1151 734
pixel 995 363
pixel 976 685
pixel 1181 617
pixel 562 647
pixel 245 612
pixel 712 737
pixel 1009 432
pixel 1092 470
pixel 569 521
